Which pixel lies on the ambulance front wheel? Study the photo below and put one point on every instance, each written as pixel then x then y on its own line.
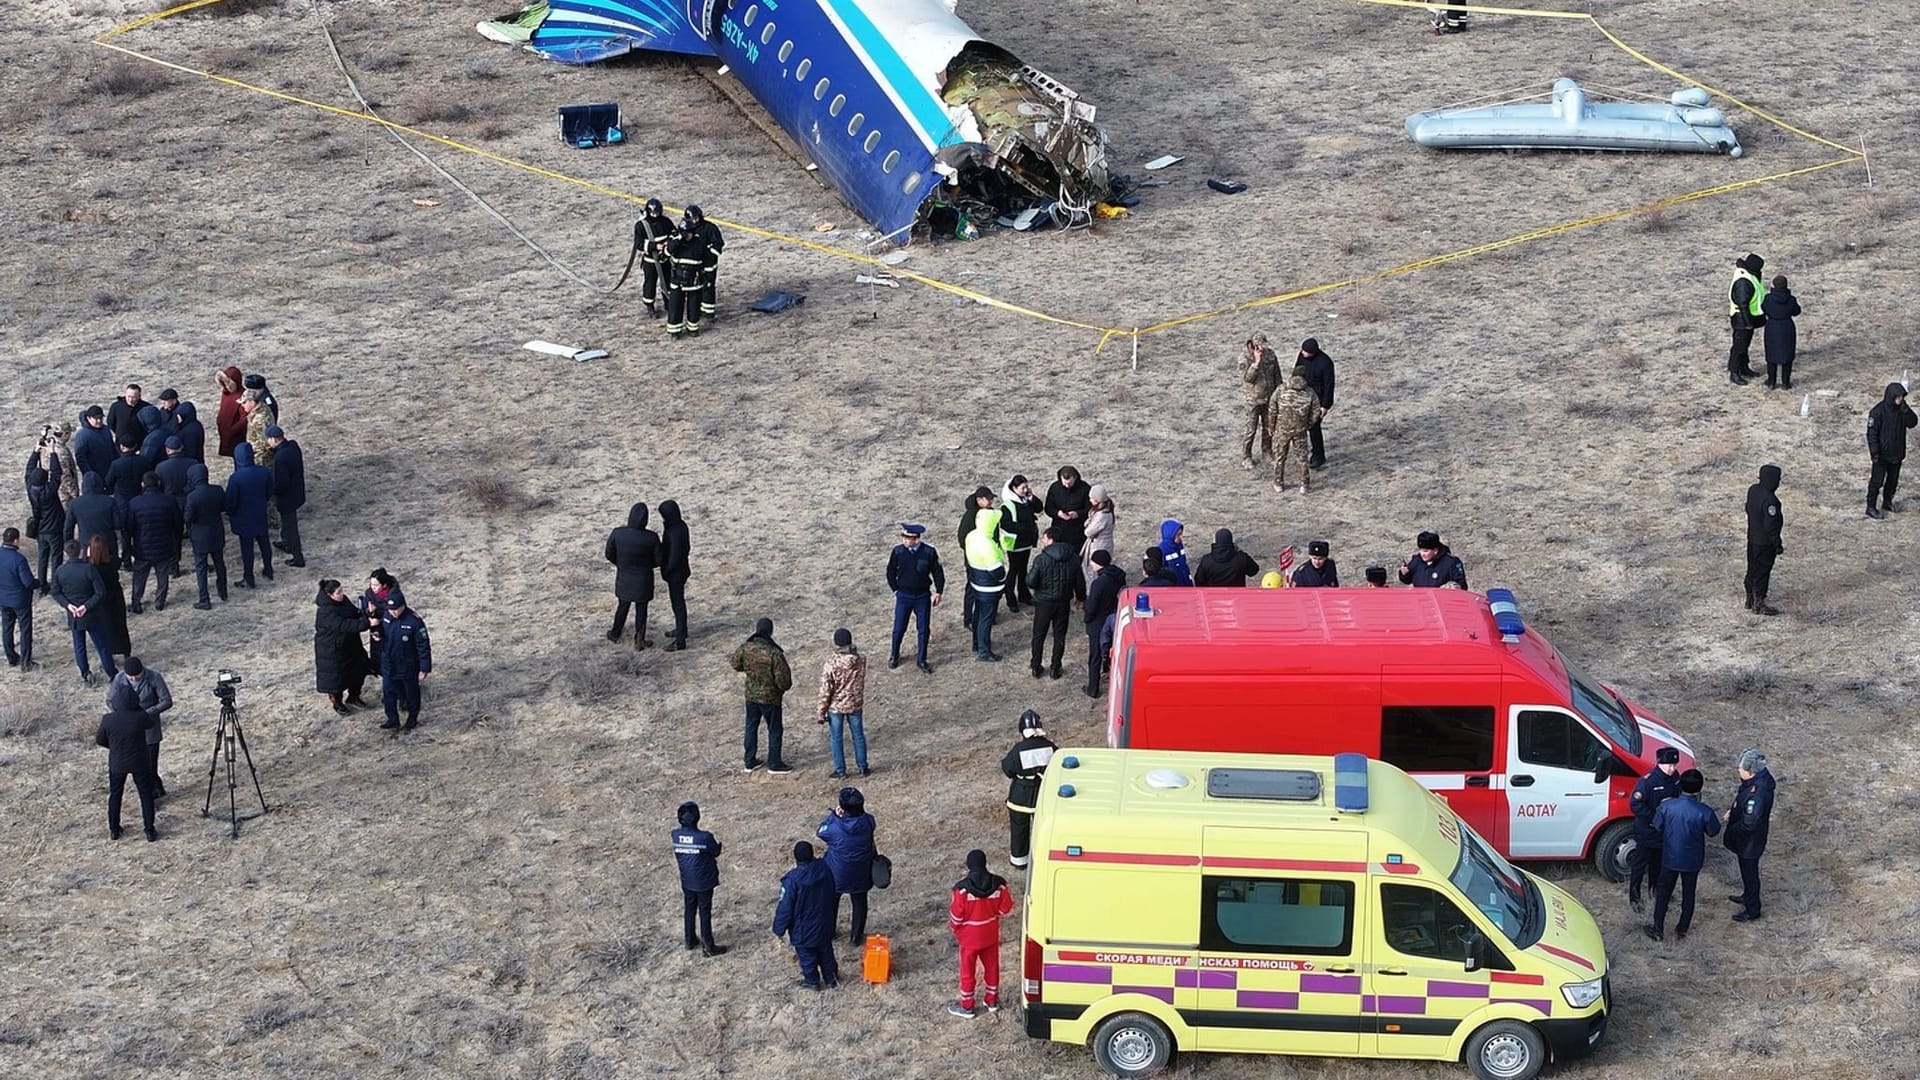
pixel 1612 850
pixel 1132 1044
pixel 1506 1050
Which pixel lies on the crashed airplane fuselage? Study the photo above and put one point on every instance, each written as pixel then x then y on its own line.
pixel 896 100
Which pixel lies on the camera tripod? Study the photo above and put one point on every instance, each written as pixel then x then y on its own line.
pixel 224 739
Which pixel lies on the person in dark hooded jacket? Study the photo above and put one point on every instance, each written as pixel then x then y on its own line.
pixel 123 478
pixel 340 665
pixel 153 441
pixel 93 446
pixel 230 423
pixel 191 432
pixel 848 832
pixel 248 490
pixel 1764 522
pixel 805 917
pixel 634 550
pixel 1173 551
pixel 1225 564
pixel 980 901
pixel 1433 565
pixel 173 470
pixel 1319 372
pixel 1057 585
pixel 1103 601
pixel 1887 426
pixel 207 532
pixel 674 549
pixel 1155 575
pixel 1068 502
pixel 123 731
pixel 95 513
pixel 49 516
pixel 696 852
pixel 1780 307
pixel 157 523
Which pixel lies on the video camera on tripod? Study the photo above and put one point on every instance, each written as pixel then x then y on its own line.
pixel 225 739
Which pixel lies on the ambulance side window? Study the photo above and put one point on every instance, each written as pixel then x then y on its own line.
pixel 1276 915
pixel 1419 921
pixel 1559 741
pixel 1437 738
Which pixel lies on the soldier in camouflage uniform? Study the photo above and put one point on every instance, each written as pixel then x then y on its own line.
pixel 768 680
pixel 1259 378
pixel 1290 415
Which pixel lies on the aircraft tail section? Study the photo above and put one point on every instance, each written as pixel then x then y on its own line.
pixel 588 31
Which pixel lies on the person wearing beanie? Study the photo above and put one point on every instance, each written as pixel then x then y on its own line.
pixel 1376 577
pixel 1683 824
pixel 1103 601
pixel 153 696
pixel 1057 586
pixel 848 832
pixel 986 580
pixel 1173 551
pixel 1780 308
pixel 1024 766
pixel 1661 783
pixel 1764 524
pixel 205 505
pixel 249 492
pixel 805 916
pixel 1098 535
pixel 768 680
pixel 1067 504
pixel 289 492
pixel 1225 564
pixel 634 550
pixel 1317 366
pixel 1747 821
pixel 916 581
pixel 1433 565
pixel 1319 571
pixel 1260 376
pixel 980 900
pixel 697 853
pixel 1887 425
pixel 340 666
pixel 1744 314
pixel 1155 575
pixel 842 703
pixel 257 383
pixel 1292 414
pixel 123 731
pixel 1019 535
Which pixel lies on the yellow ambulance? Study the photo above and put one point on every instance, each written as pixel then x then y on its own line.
pixel 1249 903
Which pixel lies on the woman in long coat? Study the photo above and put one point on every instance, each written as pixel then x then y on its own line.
pixel 1099 529
pixel 115 607
pixel 340 664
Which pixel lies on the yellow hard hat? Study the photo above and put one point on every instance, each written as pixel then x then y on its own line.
pixel 1272 580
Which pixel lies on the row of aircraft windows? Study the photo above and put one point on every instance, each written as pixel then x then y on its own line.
pixel 839 103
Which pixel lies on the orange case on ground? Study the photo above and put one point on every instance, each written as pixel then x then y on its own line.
pixel 876 961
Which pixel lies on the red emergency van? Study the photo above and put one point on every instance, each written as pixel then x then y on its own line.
pixel 1451 687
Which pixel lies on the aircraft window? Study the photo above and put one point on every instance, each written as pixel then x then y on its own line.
pixel 887 163
pixel 766 36
pixel 873 140
pixel 854 125
pixel 820 89
pixel 911 184
pixel 753 12
pixel 800 72
pixel 786 50
pixel 839 102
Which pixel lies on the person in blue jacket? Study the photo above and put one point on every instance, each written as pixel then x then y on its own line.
pixel 1173 551
pixel 848 832
pixel 1747 822
pixel 1683 824
pixel 248 490
pixel 1659 785
pixel 805 917
pixel 698 854
pixel 406 657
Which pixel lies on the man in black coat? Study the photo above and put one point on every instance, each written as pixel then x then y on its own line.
pixel 1764 521
pixel 172 471
pixel 1319 372
pixel 157 522
pixel 289 492
pixel 123 731
pixel 1225 563
pixel 207 532
pixel 634 551
pixel 1067 503
pixel 1103 600
pixel 697 854
pixel 92 445
pixel 1057 585
pixel 79 588
pixel 1747 823
pixel 123 417
pixel 675 547
pixel 123 483
pixel 1887 426
pixel 95 513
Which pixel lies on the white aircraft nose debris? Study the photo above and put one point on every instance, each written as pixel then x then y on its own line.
pixel 1570 121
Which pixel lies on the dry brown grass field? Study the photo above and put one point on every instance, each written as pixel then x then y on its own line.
pixel 494 897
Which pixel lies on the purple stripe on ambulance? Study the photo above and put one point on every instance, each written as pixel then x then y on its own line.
pixel 1267 999
pixel 1545 1007
pixel 1329 984
pixel 1164 993
pixel 1205 979
pixel 1077 973
pixel 1395 1003
pixel 1443 989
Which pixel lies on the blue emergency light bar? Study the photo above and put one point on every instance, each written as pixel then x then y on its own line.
pixel 1350 783
pixel 1506 614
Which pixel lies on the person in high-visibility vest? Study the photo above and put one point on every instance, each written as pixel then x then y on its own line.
pixel 1744 296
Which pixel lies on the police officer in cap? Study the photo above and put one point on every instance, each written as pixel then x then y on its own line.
pixel 650 236
pixel 1659 785
pixel 1024 765
pixel 1319 571
pixel 698 854
pixel 406 657
pixel 711 244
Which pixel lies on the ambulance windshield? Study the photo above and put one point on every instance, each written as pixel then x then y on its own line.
pixel 1503 894
pixel 1603 710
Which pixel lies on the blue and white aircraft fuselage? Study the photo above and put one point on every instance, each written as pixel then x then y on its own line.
pixel 893 99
